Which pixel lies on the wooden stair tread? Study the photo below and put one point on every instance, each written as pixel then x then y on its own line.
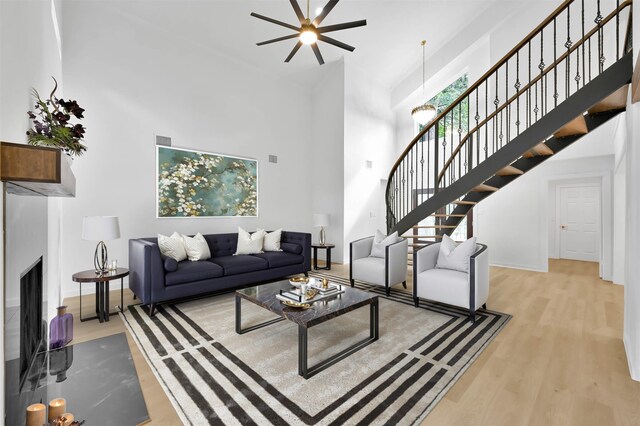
pixel 615 101
pixel 577 126
pixel 464 202
pixel 540 149
pixel 484 188
pixel 449 215
pixel 509 171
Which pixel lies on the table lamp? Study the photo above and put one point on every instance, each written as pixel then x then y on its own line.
pixel 321 220
pixel 100 228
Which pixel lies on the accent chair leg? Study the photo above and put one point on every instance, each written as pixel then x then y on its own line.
pixel 134 296
pixel 404 284
pixel 306 274
pixel 484 306
pixel 416 302
pixel 353 282
pixel 472 315
pixel 387 290
pixel 152 309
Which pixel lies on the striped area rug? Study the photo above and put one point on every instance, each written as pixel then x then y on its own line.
pixel 214 376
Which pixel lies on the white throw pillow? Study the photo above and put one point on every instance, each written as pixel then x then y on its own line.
pixel 196 247
pixel 455 257
pixel 172 246
pixel 272 240
pixel 380 241
pixel 249 243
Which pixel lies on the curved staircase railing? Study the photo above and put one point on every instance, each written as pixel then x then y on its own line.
pixel 544 70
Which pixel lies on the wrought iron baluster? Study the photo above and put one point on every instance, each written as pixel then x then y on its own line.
pixel 555 68
pixel 601 58
pixel 506 97
pixel 589 58
pixel 486 115
pixel 617 29
pixel 496 102
pixel 477 117
pixel 529 89
pixel 584 73
pixel 541 66
pixel 517 87
pixel 568 45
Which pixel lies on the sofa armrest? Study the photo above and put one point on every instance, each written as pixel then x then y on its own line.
pixel 479 276
pixel 425 258
pixel 146 270
pixel 303 239
pixel 396 257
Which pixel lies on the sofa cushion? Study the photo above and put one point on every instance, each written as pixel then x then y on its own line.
pixel 238 264
pixel 222 244
pixel 189 271
pixel 444 285
pixel 291 248
pixel 369 269
pixel 277 259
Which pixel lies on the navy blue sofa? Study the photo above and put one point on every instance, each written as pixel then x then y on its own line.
pixel 155 279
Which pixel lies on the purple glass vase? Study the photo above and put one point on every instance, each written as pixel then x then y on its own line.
pixel 61 329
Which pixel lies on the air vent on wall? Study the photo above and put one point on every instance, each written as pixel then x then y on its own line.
pixel 163 140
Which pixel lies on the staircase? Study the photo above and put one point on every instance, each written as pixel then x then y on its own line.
pixel 569 76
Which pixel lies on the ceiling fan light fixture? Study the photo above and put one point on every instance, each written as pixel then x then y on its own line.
pixel 308 35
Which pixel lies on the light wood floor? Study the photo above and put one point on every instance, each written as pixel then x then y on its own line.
pixel 559 361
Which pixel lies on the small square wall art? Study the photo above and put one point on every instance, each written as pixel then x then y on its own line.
pixel 199 184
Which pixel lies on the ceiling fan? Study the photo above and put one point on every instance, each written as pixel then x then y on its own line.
pixel 309 32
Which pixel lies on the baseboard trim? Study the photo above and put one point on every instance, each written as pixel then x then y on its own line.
pixel 525 268
pixel 635 374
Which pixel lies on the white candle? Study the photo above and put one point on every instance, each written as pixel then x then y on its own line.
pixel 36 414
pixel 57 407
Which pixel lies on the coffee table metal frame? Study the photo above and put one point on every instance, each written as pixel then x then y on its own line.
pixel 304 369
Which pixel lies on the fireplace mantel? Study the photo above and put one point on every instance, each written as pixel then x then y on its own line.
pixel 36 171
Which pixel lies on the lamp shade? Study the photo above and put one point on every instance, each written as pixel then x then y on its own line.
pixel 321 219
pixel 100 228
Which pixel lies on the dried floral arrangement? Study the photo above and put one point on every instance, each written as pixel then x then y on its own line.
pixel 52 126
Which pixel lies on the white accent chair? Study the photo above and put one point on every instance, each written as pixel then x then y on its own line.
pixel 469 290
pixel 387 271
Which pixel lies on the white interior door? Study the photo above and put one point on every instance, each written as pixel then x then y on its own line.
pixel 580 223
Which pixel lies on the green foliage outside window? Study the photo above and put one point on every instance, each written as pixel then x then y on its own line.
pixel 460 115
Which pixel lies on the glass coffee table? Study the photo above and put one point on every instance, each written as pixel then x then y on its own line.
pixel 265 297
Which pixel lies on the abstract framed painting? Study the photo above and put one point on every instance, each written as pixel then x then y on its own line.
pixel 193 184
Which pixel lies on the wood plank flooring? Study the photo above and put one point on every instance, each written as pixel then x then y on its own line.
pixel 559 361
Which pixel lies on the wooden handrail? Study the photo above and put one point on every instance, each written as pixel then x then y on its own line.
pixel 529 85
pixel 482 79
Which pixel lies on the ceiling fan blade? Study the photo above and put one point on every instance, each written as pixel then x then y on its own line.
pixel 262 43
pixel 336 43
pixel 316 50
pixel 296 8
pixel 344 26
pixel 293 52
pixel 325 11
pixel 274 21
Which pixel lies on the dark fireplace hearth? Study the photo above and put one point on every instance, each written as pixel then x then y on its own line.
pixel 32 326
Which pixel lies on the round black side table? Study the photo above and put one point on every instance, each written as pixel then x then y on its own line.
pixel 102 291
pixel 328 248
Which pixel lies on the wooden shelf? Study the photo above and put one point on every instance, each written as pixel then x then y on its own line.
pixel 36 171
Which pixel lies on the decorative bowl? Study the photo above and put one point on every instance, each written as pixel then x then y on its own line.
pixel 294 304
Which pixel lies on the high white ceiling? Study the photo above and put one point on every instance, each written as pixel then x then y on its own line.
pixel 388 48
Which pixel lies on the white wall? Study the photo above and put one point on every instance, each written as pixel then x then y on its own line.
pixel 135 81
pixel 29 56
pixel 327 155
pixel 632 266
pixel 368 136
pixel 513 222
